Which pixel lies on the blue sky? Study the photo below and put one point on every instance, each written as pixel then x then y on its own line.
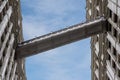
pixel 69 62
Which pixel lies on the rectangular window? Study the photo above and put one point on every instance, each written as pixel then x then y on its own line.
pixel 1 62
pixel 119 73
pixel 115 18
pixel 109 45
pixel 114 52
pixel 110 13
pixel 4 11
pixel 97 38
pixel 97 13
pixel 97 2
pixel 4 52
pixel 0 1
pixel 109 27
pixel 107 78
pixel 119 22
pixel 119 59
pixel 115 33
pixel 1 17
pixel 0 44
pixel 113 65
pixel 108 57
pixel 119 37
pixel 2 38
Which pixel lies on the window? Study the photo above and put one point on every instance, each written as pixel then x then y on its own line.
pixel 110 13
pixel 4 52
pixel 97 2
pixel 0 17
pixel 97 13
pixel 115 33
pixel 119 22
pixel 7 44
pixel 1 61
pixel 97 38
pixel 118 73
pixel 119 38
pixel 109 45
pixel 6 30
pixel 114 51
pixel 113 65
pixel 107 78
pixel 4 11
pixel 0 44
pixel 96 66
pixel 0 2
pixel 2 38
pixel 109 27
pixel 95 78
pixel 119 59
pixel 7 6
pixel 115 18
pixel 108 57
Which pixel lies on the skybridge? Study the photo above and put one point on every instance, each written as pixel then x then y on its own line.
pixel 61 37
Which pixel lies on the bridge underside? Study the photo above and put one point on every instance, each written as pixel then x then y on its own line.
pixel 60 38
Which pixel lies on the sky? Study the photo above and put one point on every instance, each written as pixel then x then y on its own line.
pixel 69 62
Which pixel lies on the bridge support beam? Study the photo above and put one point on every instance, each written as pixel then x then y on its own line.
pixel 60 38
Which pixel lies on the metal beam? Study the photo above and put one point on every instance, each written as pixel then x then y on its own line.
pixel 60 38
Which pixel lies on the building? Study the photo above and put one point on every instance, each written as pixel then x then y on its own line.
pixel 10 35
pixel 105 60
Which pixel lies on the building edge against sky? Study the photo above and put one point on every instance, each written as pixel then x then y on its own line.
pixel 10 36
pixel 105 55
